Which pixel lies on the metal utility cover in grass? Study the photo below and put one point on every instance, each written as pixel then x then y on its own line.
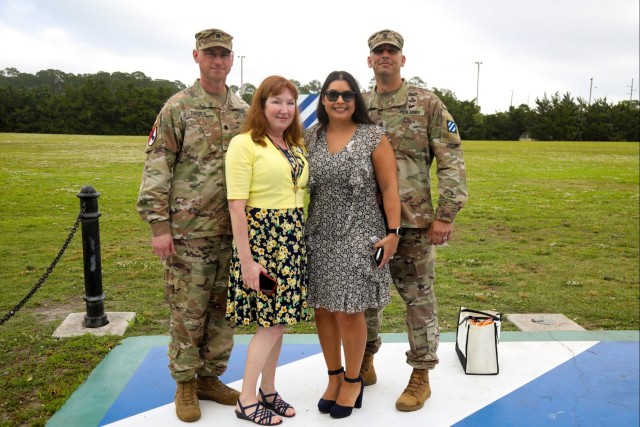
pixel 543 322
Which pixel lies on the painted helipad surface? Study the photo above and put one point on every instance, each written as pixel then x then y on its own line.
pixel 550 378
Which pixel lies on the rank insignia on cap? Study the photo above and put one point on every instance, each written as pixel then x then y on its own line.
pixel 212 37
pixel 153 135
pixel 452 126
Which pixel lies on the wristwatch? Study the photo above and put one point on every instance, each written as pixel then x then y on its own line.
pixel 397 231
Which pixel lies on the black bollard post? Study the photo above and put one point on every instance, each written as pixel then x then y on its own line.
pixel 94 296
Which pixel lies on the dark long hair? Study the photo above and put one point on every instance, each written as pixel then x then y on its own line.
pixel 360 115
pixel 256 121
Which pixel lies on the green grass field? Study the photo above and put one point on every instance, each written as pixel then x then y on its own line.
pixel 550 227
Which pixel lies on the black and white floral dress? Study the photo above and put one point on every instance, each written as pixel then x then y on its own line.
pixel 343 217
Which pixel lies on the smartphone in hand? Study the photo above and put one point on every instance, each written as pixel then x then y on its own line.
pixel 378 255
pixel 267 284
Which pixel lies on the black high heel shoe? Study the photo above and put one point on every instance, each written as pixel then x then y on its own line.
pixel 339 411
pixel 325 405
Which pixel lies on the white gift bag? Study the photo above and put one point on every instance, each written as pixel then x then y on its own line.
pixel 477 341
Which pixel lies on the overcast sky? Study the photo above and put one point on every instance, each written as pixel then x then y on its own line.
pixel 527 48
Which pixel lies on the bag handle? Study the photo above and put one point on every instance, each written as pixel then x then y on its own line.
pixel 496 318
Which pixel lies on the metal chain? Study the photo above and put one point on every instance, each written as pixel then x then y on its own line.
pixel 46 274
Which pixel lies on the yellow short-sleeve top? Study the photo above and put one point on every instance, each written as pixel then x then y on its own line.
pixel 262 174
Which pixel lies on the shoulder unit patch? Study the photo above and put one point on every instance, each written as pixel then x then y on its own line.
pixel 153 135
pixel 452 126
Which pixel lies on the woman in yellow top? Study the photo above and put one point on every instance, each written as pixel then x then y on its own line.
pixel 266 175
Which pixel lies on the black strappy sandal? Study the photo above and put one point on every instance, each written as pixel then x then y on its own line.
pixel 261 414
pixel 277 405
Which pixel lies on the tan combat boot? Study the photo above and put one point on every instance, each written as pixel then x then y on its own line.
pixel 416 393
pixel 187 405
pixel 367 371
pixel 211 388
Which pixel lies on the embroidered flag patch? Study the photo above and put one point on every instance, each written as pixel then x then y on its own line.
pixel 452 126
pixel 152 136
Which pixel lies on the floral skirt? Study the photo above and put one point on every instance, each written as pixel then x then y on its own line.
pixel 277 243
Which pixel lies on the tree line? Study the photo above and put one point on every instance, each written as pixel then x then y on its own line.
pixel 51 101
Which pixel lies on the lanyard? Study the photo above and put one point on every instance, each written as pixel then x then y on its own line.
pixel 296 164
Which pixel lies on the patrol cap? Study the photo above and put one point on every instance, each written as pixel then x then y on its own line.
pixel 385 37
pixel 213 38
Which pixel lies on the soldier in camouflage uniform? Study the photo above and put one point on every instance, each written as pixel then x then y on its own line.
pixel 420 130
pixel 183 198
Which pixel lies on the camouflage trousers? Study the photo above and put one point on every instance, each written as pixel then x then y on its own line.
pixel 196 282
pixel 413 272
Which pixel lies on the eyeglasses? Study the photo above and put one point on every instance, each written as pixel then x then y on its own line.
pixel 347 95
pixel 380 50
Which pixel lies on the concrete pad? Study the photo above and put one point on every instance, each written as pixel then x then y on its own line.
pixel 73 325
pixel 543 322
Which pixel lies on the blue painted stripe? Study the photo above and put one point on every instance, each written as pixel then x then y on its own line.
pixel 153 380
pixel 307 107
pixel 306 101
pixel 599 387
pixel 309 121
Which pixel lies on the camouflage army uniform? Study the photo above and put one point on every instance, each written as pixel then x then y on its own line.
pixel 420 130
pixel 183 193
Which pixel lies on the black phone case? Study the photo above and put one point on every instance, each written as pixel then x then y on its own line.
pixel 267 284
pixel 377 256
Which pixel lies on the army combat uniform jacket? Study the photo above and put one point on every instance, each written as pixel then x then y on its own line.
pixel 183 188
pixel 420 130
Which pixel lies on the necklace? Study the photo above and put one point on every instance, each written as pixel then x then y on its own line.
pixel 294 162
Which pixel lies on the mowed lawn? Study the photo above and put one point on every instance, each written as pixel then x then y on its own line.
pixel 550 227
